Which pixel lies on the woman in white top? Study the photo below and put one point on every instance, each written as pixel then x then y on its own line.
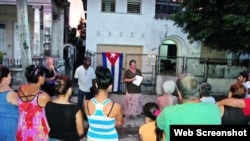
pixel 205 93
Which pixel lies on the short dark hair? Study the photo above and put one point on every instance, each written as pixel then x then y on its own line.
pixel 103 77
pixel 244 74
pixel 149 110
pixel 131 61
pixel 205 89
pixel 4 72
pixel 33 72
pixel 86 58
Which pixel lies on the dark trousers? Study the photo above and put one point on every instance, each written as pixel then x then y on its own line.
pixel 81 95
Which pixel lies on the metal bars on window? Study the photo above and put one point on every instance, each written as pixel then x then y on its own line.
pixel 134 6
pixel 108 5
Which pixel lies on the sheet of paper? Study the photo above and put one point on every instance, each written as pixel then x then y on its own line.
pixel 138 80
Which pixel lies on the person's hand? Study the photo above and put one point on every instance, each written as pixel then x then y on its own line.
pixel 133 79
pixel 51 67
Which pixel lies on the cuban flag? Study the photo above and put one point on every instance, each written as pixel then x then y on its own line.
pixel 113 61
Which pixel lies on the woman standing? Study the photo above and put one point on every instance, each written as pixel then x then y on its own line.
pixel 64 118
pixel 32 124
pixel 102 113
pixel 9 109
pixel 235 115
pixel 133 94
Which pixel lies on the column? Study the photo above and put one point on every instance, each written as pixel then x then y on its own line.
pixel 36 39
pixel 47 30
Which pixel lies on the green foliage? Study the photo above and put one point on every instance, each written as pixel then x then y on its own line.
pixel 1 57
pixel 81 27
pixel 220 24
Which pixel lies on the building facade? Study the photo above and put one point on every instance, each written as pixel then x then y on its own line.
pixel 48 26
pixel 140 28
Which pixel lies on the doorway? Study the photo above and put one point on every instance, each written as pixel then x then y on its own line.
pixel 168 57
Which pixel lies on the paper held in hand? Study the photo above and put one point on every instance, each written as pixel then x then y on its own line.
pixel 138 80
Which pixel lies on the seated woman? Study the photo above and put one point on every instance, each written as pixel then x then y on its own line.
pixel 167 98
pixel 64 118
pixel 205 93
pixel 234 115
pixel 102 113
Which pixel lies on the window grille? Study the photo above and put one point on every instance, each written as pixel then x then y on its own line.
pixel 134 6
pixel 164 8
pixel 108 5
pixel 219 57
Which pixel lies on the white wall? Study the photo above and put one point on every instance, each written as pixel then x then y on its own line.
pixel 129 29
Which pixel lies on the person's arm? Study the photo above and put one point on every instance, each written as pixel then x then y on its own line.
pixel 229 95
pixel 53 69
pixel 12 97
pixel 43 99
pixel 129 79
pixel 75 79
pixel 79 123
pixel 119 117
pixel 126 79
pixel 221 107
pixel 233 102
pixel 160 120
pixel 180 99
pixel 86 106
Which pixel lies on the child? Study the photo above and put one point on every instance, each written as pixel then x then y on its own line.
pixel 149 131
pixel 167 98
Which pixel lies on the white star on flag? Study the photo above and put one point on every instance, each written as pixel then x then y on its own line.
pixel 113 55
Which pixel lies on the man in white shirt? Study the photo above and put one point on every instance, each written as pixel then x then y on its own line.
pixel 85 75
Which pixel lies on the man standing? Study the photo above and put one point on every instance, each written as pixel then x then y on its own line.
pixel 243 79
pixel 85 75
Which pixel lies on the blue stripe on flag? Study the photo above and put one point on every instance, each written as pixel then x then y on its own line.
pixel 116 70
pixel 120 71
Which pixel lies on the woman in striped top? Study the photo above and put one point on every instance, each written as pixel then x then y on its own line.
pixel 102 113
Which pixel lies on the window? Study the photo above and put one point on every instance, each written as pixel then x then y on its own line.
pixel 164 8
pixel 134 6
pixel 218 57
pixel 240 58
pixel 108 5
pixel 2 38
